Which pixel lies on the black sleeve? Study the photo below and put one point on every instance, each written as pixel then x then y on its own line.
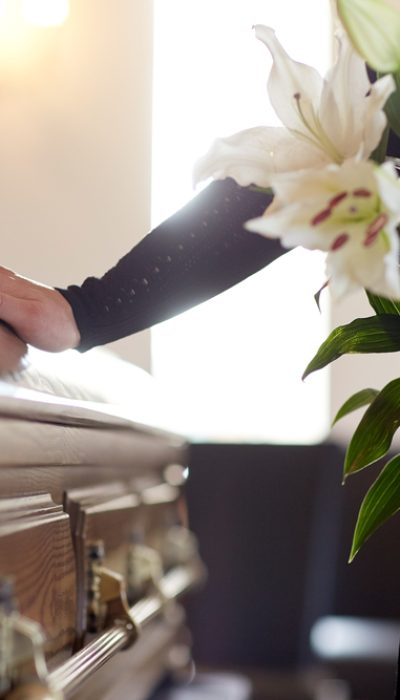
pixel 197 253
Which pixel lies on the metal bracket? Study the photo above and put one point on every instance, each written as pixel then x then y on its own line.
pixel 22 654
pixel 23 670
pixel 113 597
pixel 107 599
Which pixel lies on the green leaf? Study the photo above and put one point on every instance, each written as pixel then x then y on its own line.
pixel 372 334
pixel 361 398
pixel 374 433
pixel 382 305
pixel 380 503
pixel 392 106
pixel 379 154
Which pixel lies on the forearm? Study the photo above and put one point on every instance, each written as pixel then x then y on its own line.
pixel 197 253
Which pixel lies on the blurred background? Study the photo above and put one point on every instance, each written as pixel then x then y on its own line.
pixel 105 106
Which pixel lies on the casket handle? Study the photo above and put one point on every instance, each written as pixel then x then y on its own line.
pixel 83 664
pixel 62 682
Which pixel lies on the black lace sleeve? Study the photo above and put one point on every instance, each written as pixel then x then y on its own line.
pixel 197 253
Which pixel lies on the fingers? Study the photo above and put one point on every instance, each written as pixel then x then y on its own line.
pixel 38 314
pixel 14 311
pixel 12 351
pixel 35 321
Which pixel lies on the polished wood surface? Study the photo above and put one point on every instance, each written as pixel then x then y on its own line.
pixel 75 472
pixel 36 549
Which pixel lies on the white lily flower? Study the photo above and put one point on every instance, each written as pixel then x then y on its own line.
pixel 253 155
pixel 351 212
pixel 325 120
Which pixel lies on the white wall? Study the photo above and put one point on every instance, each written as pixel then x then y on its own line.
pixel 75 138
pixel 75 141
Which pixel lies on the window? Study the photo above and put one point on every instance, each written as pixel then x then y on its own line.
pixel 233 365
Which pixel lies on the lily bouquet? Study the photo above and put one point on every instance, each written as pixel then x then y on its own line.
pixel 335 190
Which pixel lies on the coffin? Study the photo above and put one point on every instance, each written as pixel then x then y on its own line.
pixel 95 551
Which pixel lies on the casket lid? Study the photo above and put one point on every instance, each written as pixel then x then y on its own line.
pixel 93 388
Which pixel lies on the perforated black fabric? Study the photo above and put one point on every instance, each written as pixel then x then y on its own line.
pixel 197 253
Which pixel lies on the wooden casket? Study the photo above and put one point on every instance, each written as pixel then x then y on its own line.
pixel 95 551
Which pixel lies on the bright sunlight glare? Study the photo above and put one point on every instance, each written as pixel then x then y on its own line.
pixel 15 36
pixel 45 13
pixel 233 365
pixel 21 41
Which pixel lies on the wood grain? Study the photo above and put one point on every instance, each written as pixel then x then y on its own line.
pixel 106 513
pixel 30 443
pixel 36 550
pixel 69 474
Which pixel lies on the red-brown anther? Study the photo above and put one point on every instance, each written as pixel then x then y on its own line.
pixel 321 216
pixel 369 240
pixel 374 229
pixel 340 241
pixel 362 192
pixel 337 199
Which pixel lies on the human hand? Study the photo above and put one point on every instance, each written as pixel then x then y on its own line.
pixel 39 315
pixel 12 351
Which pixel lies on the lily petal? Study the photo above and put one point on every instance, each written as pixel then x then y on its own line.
pixel 349 104
pixel 287 80
pixel 286 224
pixel 367 268
pixel 341 115
pixel 347 77
pixel 335 95
pixel 349 211
pixel 254 155
pixel 374 118
pixel 327 121
pixel 388 181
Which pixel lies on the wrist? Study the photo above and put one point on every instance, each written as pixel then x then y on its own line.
pixel 69 335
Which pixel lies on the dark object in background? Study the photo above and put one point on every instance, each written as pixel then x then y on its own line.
pixel 271 569
pixel 275 528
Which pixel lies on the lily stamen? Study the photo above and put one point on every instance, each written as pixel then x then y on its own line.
pixel 340 241
pixel 362 192
pixel 337 199
pixel 374 229
pixel 321 216
pixel 319 137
